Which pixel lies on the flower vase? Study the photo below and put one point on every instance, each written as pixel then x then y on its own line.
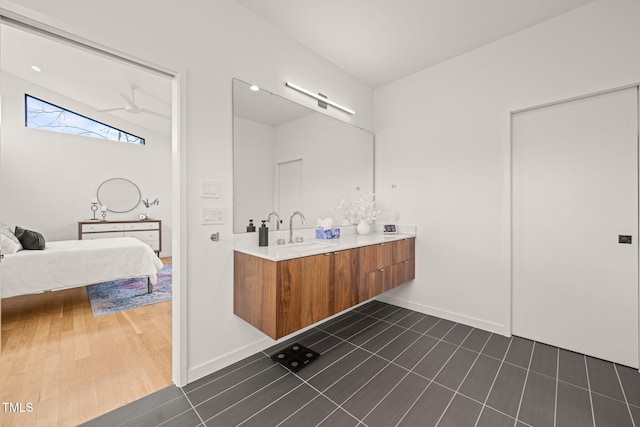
pixel 363 227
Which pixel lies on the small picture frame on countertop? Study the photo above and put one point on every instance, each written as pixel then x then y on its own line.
pixel 389 229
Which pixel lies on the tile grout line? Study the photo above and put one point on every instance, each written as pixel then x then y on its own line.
pixel 555 403
pixel 148 411
pixel 408 371
pixel 272 403
pixel 586 368
pixel 374 354
pixel 192 407
pixel 247 397
pixel 237 384
pixel 429 379
pixel 465 376
pixel 615 368
pixel 484 404
pixel 301 407
pixel 524 386
pixel 225 375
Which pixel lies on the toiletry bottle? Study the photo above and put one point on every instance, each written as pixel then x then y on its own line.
pixel 263 237
pixel 251 228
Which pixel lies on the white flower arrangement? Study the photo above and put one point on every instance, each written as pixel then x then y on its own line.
pixel 362 208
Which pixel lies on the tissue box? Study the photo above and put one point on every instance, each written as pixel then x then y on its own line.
pixel 330 233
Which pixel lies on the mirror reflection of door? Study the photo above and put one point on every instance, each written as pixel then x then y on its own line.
pixel 290 185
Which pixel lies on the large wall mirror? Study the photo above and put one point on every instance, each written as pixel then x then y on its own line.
pixel 287 158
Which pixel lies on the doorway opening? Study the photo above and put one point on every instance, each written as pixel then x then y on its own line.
pixel 70 365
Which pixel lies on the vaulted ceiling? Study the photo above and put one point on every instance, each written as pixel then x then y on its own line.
pixel 379 41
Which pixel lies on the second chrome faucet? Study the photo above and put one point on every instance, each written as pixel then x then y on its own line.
pixel 291 224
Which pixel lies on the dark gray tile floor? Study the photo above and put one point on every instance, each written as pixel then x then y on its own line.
pixel 382 365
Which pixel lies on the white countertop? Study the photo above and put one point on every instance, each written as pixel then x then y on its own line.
pixel 248 243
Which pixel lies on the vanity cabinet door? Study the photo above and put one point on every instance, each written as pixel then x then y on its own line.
pixel 303 292
pixel 346 272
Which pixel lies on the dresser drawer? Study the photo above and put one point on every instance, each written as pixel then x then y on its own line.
pixel 142 226
pixel 145 236
pixel 105 235
pixel 96 228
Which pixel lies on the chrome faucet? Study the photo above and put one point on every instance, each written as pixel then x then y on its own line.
pixel 291 224
pixel 278 221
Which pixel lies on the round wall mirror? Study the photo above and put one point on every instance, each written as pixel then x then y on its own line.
pixel 119 195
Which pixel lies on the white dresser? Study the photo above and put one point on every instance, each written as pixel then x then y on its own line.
pixel 148 231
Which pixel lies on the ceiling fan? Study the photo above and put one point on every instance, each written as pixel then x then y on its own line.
pixel 132 107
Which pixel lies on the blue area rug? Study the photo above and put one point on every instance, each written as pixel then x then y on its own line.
pixel 125 294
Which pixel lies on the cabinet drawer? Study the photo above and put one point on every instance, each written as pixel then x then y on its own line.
pixel 106 235
pixel 404 250
pixel 373 283
pixel 142 226
pixel 377 256
pixel 144 235
pixel 93 228
pixel 402 272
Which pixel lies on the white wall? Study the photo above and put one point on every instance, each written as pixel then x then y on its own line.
pixel 47 179
pixel 211 42
pixel 444 136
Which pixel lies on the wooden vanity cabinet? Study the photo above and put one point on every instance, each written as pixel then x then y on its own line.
pixel 281 297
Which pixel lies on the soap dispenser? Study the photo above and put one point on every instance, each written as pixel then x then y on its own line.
pixel 263 234
pixel 251 228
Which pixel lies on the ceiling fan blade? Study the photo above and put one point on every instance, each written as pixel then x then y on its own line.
pixel 155 113
pixel 129 101
pixel 111 109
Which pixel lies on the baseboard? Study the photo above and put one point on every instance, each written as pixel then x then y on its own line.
pixel 227 359
pixel 444 314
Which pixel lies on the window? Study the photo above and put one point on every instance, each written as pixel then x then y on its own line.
pixel 40 114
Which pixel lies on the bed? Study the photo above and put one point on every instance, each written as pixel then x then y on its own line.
pixel 73 263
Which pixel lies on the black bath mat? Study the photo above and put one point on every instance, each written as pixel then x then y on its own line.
pixel 295 357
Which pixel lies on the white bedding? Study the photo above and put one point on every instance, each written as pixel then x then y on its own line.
pixel 72 263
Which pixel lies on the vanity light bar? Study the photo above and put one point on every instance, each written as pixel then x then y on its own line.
pixel 318 97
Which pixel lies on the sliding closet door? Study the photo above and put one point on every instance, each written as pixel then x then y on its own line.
pixel 575 198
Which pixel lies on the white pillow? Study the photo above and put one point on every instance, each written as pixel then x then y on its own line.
pixel 8 246
pixel 9 243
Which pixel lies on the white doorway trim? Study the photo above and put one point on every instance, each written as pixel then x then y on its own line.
pixel 12 14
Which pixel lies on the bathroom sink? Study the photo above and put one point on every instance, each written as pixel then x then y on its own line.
pixel 309 246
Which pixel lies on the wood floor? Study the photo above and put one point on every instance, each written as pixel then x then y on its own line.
pixel 71 366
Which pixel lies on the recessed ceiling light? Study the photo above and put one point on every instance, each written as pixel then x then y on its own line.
pixel 254 88
pixel 36 68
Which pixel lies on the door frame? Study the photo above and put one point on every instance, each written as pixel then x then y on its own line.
pixel 178 79
pixel 509 191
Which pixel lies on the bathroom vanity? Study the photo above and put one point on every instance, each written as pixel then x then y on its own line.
pixel 282 289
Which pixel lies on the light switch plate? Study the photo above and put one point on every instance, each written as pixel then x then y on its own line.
pixel 209 189
pixel 213 215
